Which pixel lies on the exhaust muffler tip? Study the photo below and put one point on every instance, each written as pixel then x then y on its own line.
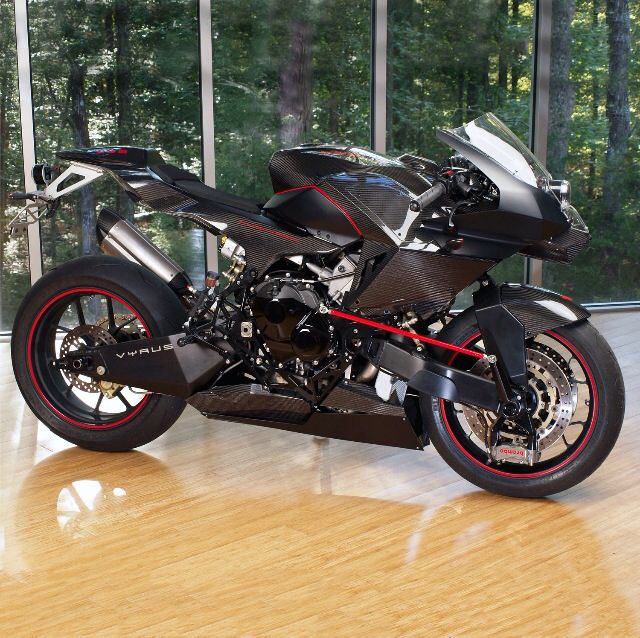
pixel 118 237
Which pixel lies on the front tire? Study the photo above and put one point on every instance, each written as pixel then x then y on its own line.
pixel 602 412
pixel 89 301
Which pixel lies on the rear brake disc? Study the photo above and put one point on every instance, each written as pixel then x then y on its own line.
pixel 80 337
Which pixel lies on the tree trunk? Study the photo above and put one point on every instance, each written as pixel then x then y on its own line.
pixel 295 84
pixel 617 105
pixel 503 60
pixel 109 75
pixel 561 91
pixel 515 67
pixel 80 130
pixel 461 116
pixel 4 136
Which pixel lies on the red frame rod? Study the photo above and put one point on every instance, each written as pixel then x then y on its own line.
pixel 404 333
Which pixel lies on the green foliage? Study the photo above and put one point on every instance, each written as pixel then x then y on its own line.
pixel 451 62
pixel 251 51
pixel 609 268
pixel 160 62
pixel 447 63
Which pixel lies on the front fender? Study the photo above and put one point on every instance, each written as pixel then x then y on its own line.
pixel 538 309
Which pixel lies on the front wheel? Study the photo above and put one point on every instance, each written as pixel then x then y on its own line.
pixel 576 399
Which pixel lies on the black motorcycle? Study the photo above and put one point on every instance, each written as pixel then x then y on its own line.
pixel 333 315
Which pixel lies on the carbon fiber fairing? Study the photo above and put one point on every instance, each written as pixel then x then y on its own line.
pixel 538 309
pixel 245 401
pixel 373 189
pixel 263 240
pixel 305 165
pixel 412 277
pixel 357 397
pixel 563 248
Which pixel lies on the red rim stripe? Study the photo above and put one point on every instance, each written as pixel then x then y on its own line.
pixel 327 196
pixel 66 293
pixel 264 229
pixel 554 467
pixel 405 333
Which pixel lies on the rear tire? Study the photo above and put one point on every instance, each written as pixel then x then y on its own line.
pixel 140 291
pixel 598 441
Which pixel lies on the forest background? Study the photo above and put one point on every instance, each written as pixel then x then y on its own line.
pixel 285 72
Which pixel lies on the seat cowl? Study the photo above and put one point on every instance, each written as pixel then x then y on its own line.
pixel 113 157
pixel 191 184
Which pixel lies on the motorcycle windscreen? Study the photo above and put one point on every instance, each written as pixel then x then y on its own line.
pixel 516 172
pixel 489 135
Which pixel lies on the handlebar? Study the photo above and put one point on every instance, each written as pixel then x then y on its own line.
pixel 428 197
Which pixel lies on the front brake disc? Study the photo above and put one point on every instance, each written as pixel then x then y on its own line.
pixel 551 396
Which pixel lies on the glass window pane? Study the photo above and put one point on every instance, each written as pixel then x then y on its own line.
pixel 123 73
pixel 14 265
pixel 284 73
pixel 594 143
pixel 447 64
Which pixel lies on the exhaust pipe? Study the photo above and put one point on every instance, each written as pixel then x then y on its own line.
pixel 120 238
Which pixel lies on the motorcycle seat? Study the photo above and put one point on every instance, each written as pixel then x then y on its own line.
pixel 191 184
pixel 131 158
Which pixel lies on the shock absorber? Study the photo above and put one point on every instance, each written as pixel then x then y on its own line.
pixel 120 238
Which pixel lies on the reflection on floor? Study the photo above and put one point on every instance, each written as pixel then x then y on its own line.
pixel 233 530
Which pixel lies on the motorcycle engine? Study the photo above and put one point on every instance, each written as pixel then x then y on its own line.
pixel 287 315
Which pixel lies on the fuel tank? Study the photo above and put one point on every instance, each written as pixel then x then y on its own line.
pixel 342 193
pixel 310 163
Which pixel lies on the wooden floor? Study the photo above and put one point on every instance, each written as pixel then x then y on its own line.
pixel 231 530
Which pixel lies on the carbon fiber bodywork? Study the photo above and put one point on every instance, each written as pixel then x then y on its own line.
pixel 357 397
pixel 374 190
pixel 239 403
pixel 161 197
pixel 428 279
pixel 247 401
pixel 563 248
pixel 538 309
pixel 363 201
pixel 309 164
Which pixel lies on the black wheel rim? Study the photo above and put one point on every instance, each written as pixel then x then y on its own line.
pixel 65 313
pixel 560 453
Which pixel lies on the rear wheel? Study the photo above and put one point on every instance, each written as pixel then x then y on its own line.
pixel 576 399
pixel 93 301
